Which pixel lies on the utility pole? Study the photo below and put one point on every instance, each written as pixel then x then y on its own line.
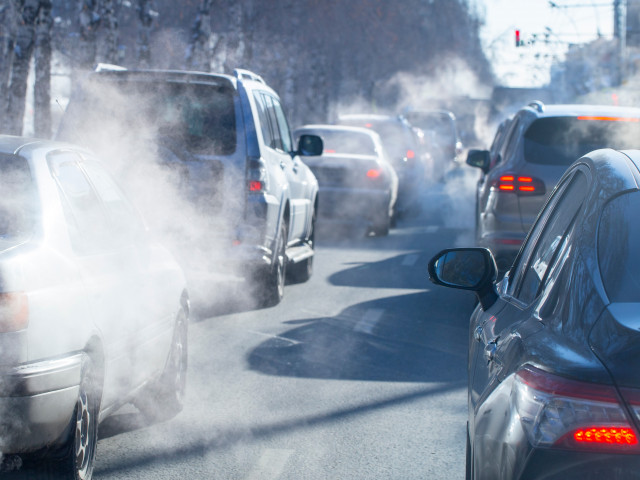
pixel 620 34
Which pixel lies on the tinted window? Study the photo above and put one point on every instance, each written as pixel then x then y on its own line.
pixel 396 136
pixel 199 117
pixel 550 240
pixel 562 140
pixel 283 126
pixel 265 123
pixel 276 141
pixel 18 200
pixel 618 253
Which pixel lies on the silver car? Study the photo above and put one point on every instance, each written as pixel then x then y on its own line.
pixel 93 312
pixel 357 184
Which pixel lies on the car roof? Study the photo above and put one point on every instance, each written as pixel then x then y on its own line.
pixel 374 117
pixel 10 144
pixel 572 110
pixel 176 76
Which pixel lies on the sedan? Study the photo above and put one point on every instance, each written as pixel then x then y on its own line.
pixel 356 182
pixel 554 347
pixel 93 312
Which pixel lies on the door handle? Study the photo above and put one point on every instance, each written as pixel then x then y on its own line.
pixel 477 333
pixel 490 350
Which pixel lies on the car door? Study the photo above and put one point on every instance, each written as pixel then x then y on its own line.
pixel 497 332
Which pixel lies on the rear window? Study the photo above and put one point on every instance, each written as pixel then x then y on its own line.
pixel 396 137
pixel 347 142
pixel 618 254
pixel 17 202
pixel 562 140
pixel 199 117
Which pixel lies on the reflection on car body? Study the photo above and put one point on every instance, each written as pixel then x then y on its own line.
pixel 357 184
pixel 554 347
pixel 93 312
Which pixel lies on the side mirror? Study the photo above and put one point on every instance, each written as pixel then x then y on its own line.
pixel 466 269
pixel 310 146
pixel 480 159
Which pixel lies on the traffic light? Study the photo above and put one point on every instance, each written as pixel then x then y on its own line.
pixel 518 42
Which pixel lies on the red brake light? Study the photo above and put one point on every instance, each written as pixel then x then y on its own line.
pixel 368 125
pixel 411 154
pixel 520 185
pixel 606 436
pixel 255 186
pixel 609 119
pixel 374 173
pixel 328 150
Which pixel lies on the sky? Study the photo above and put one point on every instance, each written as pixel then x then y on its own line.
pixel 546 28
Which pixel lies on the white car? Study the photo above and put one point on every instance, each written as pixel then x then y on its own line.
pixel 93 312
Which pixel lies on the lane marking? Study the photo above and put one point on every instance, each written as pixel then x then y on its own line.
pixel 410 260
pixel 270 465
pixel 368 321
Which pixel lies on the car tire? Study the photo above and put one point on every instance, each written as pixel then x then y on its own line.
pixel 381 227
pixel 74 460
pixel 301 272
pixel 270 281
pixel 164 399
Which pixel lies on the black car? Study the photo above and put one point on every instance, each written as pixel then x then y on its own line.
pixel 554 347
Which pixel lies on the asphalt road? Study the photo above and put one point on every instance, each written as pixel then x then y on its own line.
pixel 360 373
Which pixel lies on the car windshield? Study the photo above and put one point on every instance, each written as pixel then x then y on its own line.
pixel 17 202
pixel 619 236
pixel 347 142
pixel 561 140
pixel 198 117
pixel 395 137
pixel 441 124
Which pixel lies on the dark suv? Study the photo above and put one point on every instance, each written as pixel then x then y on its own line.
pixel 529 154
pixel 229 185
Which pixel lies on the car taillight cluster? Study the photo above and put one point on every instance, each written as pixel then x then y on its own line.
pixel 558 412
pixel 14 312
pixel 519 184
pixel 256 176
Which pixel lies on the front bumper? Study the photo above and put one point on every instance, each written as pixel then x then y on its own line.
pixel 37 401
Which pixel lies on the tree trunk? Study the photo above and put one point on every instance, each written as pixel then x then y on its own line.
pixel 23 51
pixel 145 16
pixel 200 51
pixel 42 87
pixel 7 35
pixel 89 22
pixel 108 48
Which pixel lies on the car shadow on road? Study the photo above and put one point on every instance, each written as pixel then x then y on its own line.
pixel 376 341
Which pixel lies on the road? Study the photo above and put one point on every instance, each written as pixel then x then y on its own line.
pixel 360 373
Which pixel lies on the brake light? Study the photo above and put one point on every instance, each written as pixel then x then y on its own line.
pixel 373 173
pixel 257 175
pixel 255 186
pixel 609 119
pixel 14 312
pixel 558 412
pixel 520 184
pixel 411 154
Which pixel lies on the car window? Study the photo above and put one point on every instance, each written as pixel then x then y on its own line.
pixel 123 217
pixel 283 126
pixel 265 123
pixel 508 146
pixel 86 221
pixel 347 142
pixel 544 246
pixel 618 255
pixel 561 140
pixel 276 139
pixel 18 200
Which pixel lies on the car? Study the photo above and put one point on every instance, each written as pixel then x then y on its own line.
pixel 251 200
pixel 442 137
pixel 529 154
pixel 554 346
pixel 94 311
pixel 357 184
pixel 406 150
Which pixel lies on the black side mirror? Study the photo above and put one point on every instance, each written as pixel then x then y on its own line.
pixel 467 269
pixel 310 146
pixel 480 159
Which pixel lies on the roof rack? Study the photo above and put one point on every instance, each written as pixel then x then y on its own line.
pixel 242 74
pixel 106 67
pixel 537 105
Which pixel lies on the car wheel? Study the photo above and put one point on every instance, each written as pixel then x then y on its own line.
pixel 74 460
pixel 270 281
pixel 165 398
pixel 301 272
pixel 382 226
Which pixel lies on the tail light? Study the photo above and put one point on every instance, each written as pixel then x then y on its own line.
pixel 519 184
pixel 257 179
pixel 556 411
pixel 374 173
pixel 14 312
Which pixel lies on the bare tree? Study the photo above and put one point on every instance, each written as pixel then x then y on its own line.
pixel 7 36
pixel 42 86
pixel 200 50
pixel 146 13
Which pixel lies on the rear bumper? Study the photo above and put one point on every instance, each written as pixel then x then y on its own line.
pixel 352 205
pixel 37 401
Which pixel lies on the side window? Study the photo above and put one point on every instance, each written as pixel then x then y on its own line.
pixel 508 147
pixel 545 246
pixel 86 221
pixel 123 217
pixel 283 126
pixel 265 126
pixel 273 121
